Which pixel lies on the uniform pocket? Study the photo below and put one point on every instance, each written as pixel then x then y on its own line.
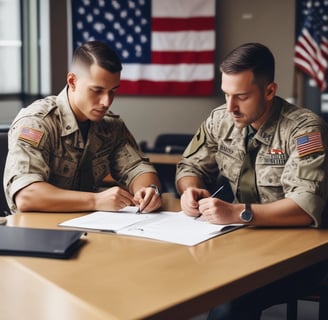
pixel 63 172
pixel 229 163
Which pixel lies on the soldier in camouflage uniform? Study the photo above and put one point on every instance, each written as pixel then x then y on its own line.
pixel 286 168
pixel 67 151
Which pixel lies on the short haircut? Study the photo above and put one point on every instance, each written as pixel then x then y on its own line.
pixel 97 52
pixel 251 56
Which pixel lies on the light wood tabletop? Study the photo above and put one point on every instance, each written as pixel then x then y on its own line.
pixel 164 158
pixel 121 277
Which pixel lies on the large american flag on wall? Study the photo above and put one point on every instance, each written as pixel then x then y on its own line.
pixel 166 46
pixel 311 48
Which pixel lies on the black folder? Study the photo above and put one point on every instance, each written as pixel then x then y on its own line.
pixel 48 243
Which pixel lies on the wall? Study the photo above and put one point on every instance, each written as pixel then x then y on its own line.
pixel 269 22
pixel 8 111
pixel 148 117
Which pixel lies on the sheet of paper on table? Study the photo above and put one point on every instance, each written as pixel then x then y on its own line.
pixel 175 227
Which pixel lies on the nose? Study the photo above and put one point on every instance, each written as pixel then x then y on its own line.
pixel 230 103
pixel 106 100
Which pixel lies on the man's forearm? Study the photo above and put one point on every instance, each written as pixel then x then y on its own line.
pixel 187 182
pixel 42 196
pixel 144 180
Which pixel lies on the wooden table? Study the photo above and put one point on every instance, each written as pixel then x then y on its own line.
pixel 164 158
pixel 120 277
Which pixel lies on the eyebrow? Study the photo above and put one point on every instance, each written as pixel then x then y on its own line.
pixel 102 88
pixel 236 94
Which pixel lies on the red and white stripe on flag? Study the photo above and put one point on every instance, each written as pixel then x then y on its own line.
pixel 311 48
pixel 182 51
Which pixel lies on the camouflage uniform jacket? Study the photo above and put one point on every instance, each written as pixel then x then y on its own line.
pixel 46 144
pixel 291 162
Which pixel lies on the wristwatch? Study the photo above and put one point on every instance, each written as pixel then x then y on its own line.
pixel 246 215
pixel 157 191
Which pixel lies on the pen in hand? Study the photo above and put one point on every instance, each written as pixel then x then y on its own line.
pixel 213 195
pixel 139 210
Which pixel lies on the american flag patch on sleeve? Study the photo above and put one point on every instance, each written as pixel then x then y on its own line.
pixel 309 143
pixel 31 136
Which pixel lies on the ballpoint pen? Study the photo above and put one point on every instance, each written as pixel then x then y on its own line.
pixel 213 195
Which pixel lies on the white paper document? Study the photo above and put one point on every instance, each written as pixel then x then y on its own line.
pixel 174 227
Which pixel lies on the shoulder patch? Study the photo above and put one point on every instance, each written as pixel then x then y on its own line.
pixel 309 143
pixel 197 141
pixel 31 136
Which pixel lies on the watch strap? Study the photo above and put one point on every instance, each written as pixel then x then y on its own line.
pixel 157 191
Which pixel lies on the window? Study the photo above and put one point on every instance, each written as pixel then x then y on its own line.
pixel 10 47
pixel 24 55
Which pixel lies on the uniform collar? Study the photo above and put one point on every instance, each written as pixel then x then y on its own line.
pixel 265 133
pixel 67 117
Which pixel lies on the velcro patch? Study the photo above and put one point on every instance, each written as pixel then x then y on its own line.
pixel 309 143
pixel 31 136
pixel 197 141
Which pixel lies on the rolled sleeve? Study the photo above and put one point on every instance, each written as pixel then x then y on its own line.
pixel 128 163
pixel 312 204
pixel 19 183
pixel 305 182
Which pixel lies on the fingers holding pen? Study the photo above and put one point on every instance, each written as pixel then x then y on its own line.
pixel 216 211
pixel 209 209
pixel 148 199
pixel 207 204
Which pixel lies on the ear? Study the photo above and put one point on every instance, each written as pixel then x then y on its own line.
pixel 271 90
pixel 71 80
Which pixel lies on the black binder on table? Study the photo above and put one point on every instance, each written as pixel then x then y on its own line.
pixel 47 243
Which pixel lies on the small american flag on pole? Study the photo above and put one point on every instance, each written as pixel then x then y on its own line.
pixel 166 46
pixel 311 49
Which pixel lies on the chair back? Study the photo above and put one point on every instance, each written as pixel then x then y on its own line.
pixel 171 143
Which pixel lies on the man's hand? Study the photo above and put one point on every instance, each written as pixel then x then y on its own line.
pixel 217 211
pixel 148 199
pixel 114 198
pixel 189 200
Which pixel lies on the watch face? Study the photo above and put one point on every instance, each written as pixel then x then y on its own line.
pixel 246 215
